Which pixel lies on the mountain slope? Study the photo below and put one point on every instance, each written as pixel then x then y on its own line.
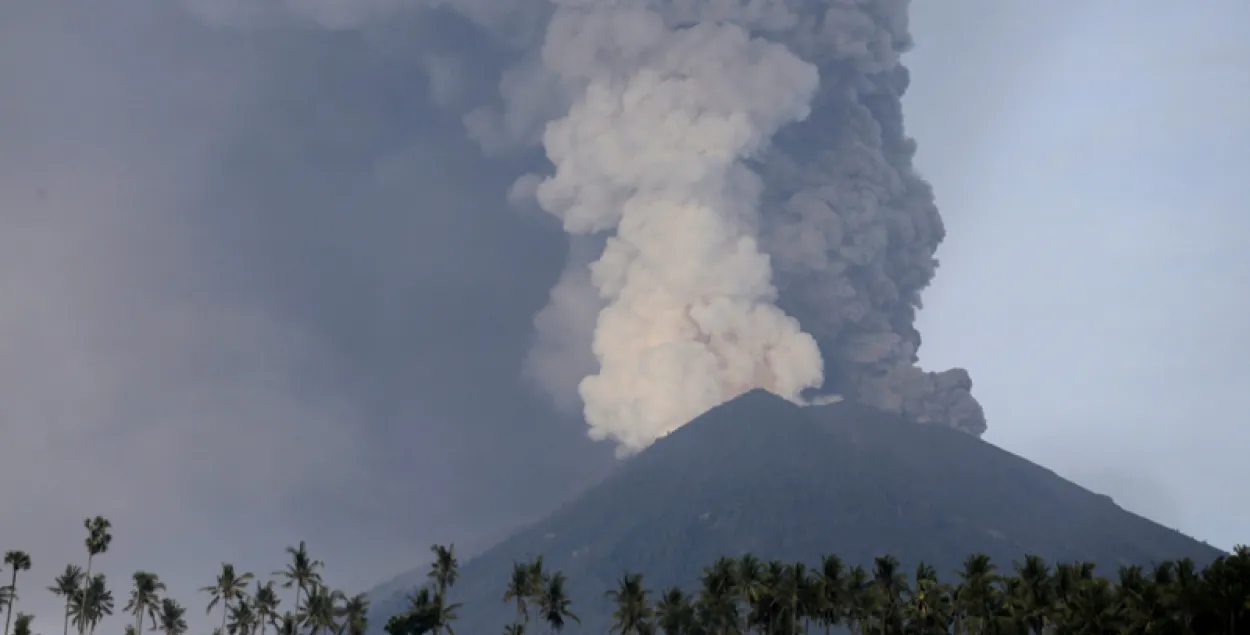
pixel 761 475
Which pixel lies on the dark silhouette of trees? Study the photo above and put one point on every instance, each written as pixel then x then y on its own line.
pixel 734 596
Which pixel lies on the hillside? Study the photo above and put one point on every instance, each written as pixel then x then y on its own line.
pixel 761 475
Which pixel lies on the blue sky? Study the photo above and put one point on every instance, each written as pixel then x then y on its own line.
pixel 251 279
pixel 1093 279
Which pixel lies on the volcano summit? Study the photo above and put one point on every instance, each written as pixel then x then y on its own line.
pixel 761 475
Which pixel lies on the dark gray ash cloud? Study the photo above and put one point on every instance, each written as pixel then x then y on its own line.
pixel 850 228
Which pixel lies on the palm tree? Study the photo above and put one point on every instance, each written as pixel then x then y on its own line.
pixel 355 614
pixel 976 595
pixel 93 605
pixel 537 580
pixel 265 600
pixel 929 607
pixel 674 613
pixel 98 540
pixel 556 605
pixel 320 609
pixel 444 570
pixel 441 614
pixel 788 593
pixel 172 618
pixel 860 599
pixel 427 613
pixel 101 602
pixel 22 627
pixel 1227 587
pixel 890 585
pixel 747 576
pixel 520 590
pixel 144 597
pixel 1162 597
pixel 243 619
pixel 1033 599
pixel 1139 602
pixel 633 612
pixel 1063 583
pixel 1187 593
pixel 1093 609
pixel 302 573
pixel 18 561
pixel 834 596
pixel 289 624
pixel 814 605
pixel 763 612
pixel 717 605
pixel 230 586
pixel 66 585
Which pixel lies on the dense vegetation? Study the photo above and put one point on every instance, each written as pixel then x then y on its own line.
pixel 760 475
pixel 734 596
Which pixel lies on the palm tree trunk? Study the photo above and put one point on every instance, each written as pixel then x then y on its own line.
pixel 12 599
pixel 298 588
pixel 65 630
pixel 8 615
pixel 82 624
pixel 225 607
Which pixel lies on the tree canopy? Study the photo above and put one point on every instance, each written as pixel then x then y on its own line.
pixel 734 596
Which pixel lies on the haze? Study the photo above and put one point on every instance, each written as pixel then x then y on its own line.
pixel 256 287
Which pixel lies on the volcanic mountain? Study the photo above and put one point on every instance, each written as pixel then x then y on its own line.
pixel 764 476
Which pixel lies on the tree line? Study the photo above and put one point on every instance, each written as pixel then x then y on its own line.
pixel 735 596
pixel 88 599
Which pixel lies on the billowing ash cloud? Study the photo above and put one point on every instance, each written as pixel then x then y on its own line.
pixel 731 149
pixel 739 192
pixel 653 149
pixel 852 227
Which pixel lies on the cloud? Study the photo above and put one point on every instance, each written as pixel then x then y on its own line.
pixel 257 288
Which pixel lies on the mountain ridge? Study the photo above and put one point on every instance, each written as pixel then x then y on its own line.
pixel 762 475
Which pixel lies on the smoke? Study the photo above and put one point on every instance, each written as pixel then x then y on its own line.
pixel 748 161
pixel 653 149
pixel 736 182
pixel 853 228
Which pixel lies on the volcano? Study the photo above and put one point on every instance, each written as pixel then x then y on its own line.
pixel 761 475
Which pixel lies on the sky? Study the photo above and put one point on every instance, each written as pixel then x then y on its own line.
pixel 258 286
pixel 1093 176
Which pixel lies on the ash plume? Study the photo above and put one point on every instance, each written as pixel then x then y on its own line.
pixel 737 185
pixel 852 228
pixel 748 160
pixel 653 150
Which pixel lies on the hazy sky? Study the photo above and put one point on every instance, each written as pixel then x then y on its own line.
pixel 255 287
pixel 1094 171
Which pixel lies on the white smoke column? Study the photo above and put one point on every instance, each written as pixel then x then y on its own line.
pixel 653 147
